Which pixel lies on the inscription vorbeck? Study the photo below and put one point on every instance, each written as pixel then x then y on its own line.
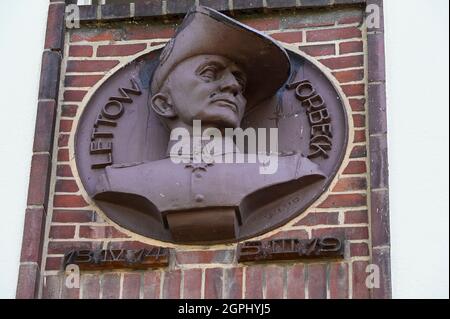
pixel 290 249
pixel 318 117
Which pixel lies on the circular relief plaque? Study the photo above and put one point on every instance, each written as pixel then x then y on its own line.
pixel 118 131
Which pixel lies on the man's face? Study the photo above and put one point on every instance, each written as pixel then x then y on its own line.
pixel 208 88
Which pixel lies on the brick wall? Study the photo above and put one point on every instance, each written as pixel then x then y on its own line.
pixel 337 38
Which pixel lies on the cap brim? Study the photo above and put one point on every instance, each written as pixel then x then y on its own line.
pixel 207 31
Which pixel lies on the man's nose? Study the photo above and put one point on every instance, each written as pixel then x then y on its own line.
pixel 229 83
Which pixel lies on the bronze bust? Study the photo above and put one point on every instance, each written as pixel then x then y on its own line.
pixel 213 70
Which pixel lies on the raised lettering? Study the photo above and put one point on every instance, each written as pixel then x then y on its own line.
pixel 125 98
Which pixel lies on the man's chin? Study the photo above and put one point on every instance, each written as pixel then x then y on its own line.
pixel 222 121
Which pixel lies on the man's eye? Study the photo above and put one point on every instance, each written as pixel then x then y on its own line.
pixel 209 73
pixel 242 85
pixel 241 82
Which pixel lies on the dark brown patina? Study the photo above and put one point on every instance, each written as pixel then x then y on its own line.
pixel 247 81
pixel 290 249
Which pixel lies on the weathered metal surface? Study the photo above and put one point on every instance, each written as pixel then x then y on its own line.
pixel 206 73
pixel 290 249
pixel 117 258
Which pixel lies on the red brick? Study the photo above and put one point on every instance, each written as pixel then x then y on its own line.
pixel 356 217
pixel 45 126
pixel 358 151
pixel 204 257
pixel 63 155
pixel 65 185
pixel 376 55
pixel 360 136
pixel 298 233
pixel 246 5
pixel 145 32
pixel 350 184
pixel 288 37
pixel 294 22
pixel 219 5
pixel 80 50
pixel 350 47
pixel 379 210
pixel 355 167
pixel 65 125
pixel 344 200
pixel 96 232
pixel 295 284
pixel 50 72
pixel 93 35
pixel 120 50
pixel 262 24
pixel 152 280
pixel 59 232
pixel 28 281
pixel 69 110
pixel 357 105
pixel 348 233
pixel 111 286
pixel 62 247
pixel 53 263
pixel 338 282
pixel 359 249
pixel 81 80
pixel 317 285
pixel 360 290
pixel 358 18
pixel 51 288
pixel 133 245
pixel 69 201
pixel 154 44
pixel 233 283
pixel 333 34
pixel 381 258
pixel 171 286
pixel 115 10
pixel 72 216
pixel 74 96
pixel 33 232
pixel 314 218
pixel 192 283
pixel 63 140
pixel 54 36
pixel 253 282
pixel 349 76
pixel 39 180
pixel 91 286
pixel 344 62
pixel 353 89
pixel 131 286
pixel 90 66
pixel 319 50
pixel 213 283
pixel 64 171
pixel 274 282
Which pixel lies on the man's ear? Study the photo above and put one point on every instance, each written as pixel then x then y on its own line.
pixel 162 105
